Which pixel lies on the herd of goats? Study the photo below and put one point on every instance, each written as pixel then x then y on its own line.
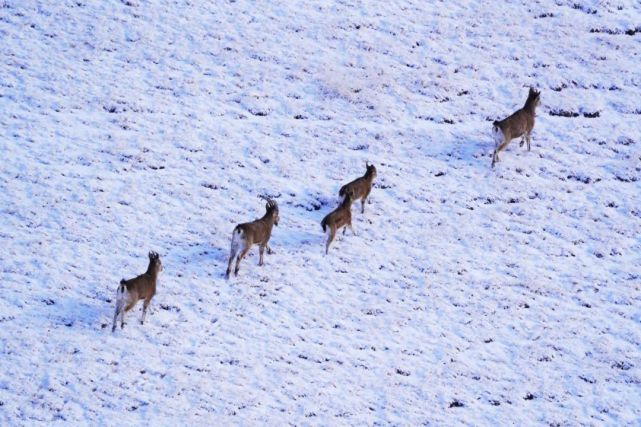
pixel 258 232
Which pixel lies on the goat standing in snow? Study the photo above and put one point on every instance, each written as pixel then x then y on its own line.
pixel 339 217
pixel 518 124
pixel 252 233
pixel 360 187
pixel 141 287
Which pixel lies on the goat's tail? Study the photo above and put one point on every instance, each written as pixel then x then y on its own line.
pixel 236 240
pixel 122 286
pixel 341 192
pixel 324 222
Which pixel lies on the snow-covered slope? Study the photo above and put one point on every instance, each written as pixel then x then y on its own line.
pixel 468 296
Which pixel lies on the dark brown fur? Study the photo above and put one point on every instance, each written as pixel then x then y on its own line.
pixel 142 287
pixel 339 217
pixel 518 124
pixel 257 232
pixel 361 187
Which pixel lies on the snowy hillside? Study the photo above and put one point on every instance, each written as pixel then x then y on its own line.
pixel 469 295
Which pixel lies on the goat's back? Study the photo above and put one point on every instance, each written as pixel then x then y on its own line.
pixel 358 187
pixel 338 217
pixel 143 286
pixel 255 232
pixel 516 125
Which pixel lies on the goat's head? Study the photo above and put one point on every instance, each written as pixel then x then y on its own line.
pixel 155 264
pixel 371 170
pixel 272 209
pixel 533 97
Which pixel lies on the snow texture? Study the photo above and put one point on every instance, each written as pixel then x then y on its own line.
pixel 469 296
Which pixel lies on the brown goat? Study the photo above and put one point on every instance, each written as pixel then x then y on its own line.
pixel 518 124
pixel 361 187
pixel 339 217
pixel 141 287
pixel 252 233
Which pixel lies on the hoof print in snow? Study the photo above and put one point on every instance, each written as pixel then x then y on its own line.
pixel 439 174
pixel 592 115
pixel 580 178
pixel 624 366
pixel 456 404
pixel 563 113
pixel 625 140
pixel 529 396
pixel 259 113
pixel 49 301
pixel 495 403
pixel 403 373
pixel 587 380
pixel 615 32
pixel 584 9
pixel 170 308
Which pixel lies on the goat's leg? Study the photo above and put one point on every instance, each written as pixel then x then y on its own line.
pixel 145 304
pixel 116 313
pixel 261 252
pixel 528 138
pixel 239 258
pixel 344 229
pixel 232 255
pixel 498 150
pixel 269 250
pixel 352 228
pixel 330 237
pixel 128 306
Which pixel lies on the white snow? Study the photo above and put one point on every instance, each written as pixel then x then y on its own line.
pixel 469 296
